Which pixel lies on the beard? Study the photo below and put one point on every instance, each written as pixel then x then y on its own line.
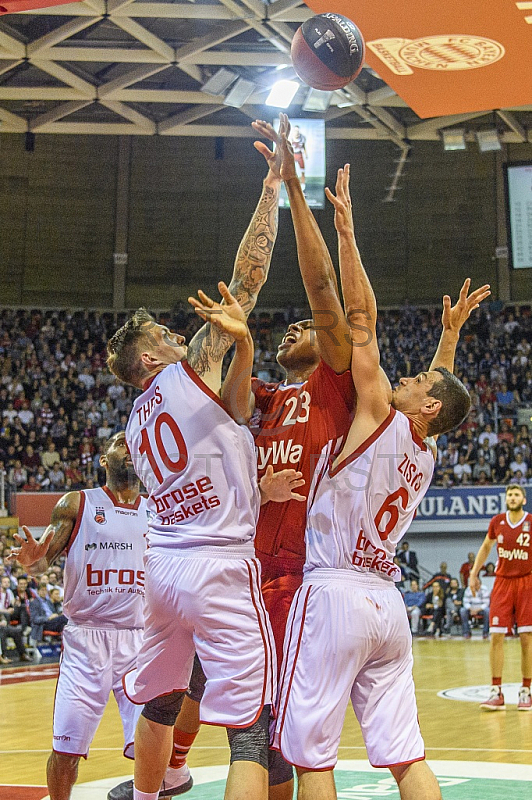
pixel 121 473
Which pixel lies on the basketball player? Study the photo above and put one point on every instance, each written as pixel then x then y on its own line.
pixel 202 580
pixel 103 531
pixel 511 596
pixel 293 420
pixel 348 633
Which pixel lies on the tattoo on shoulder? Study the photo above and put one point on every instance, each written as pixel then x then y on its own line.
pixel 208 347
pixel 63 519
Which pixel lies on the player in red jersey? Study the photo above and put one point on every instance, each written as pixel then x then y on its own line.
pixel 511 596
pixel 292 422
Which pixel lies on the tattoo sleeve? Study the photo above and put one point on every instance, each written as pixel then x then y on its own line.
pixel 209 346
pixel 62 521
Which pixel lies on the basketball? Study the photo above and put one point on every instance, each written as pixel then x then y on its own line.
pixel 328 51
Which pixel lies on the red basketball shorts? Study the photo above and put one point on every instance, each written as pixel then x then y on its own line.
pixel 511 602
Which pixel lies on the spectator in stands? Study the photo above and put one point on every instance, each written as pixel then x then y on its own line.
pixel 519 465
pixel 435 608
pixel 408 559
pixel 480 467
pixel 414 602
pixel 56 600
pixel 465 569
pixel 479 604
pixel 7 630
pixel 501 471
pixel 53 582
pixel 57 478
pixel 43 616
pixel 462 468
pixel 50 456
pixel 453 602
pixel 442 576
pixel 20 616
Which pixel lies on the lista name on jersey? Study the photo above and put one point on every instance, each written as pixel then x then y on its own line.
pixel 180 495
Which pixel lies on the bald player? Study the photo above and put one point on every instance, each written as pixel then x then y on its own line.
pixel 103 532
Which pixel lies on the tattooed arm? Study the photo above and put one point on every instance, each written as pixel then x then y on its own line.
pixel 38 555
pixel 208 347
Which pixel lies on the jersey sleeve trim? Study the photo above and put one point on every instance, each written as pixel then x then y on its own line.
pixel 203 386
pixel 364 446
pixel 132 506
pixel 75 529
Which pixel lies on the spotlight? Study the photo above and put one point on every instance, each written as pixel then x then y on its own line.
pixel 454 139
pixel 219 82
pixel 488 140
pixel 282 93
pixel 240 92
pixel 317 100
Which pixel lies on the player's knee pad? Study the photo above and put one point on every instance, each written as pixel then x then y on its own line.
pixel 196 685
pixel 279 770
pixel 251 744
pixel 164 709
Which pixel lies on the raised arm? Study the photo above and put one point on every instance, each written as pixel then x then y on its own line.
pixel 317 271
pixel 452 320
pixel 209 346
pixel 38 555
pixel 372 387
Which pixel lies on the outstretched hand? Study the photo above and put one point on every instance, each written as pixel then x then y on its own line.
pixel 30 550
pixel 453 317
pixel 281 160
pixel 278 487
pixel 229 317
pixel 343 211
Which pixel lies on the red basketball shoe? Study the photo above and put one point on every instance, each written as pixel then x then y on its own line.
pixel 495 702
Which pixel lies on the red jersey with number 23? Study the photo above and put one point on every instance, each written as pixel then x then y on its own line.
pixel 291 424
pixel 513 545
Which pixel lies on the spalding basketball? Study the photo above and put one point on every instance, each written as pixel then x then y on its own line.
pixel 328 51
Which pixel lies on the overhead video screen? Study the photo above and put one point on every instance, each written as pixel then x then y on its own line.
pixel 308 140
pixel 519 194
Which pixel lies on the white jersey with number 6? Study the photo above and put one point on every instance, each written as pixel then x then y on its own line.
pixel 197 463
pixel 360 510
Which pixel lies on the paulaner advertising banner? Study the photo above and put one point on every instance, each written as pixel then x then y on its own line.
pixel 462 509
pixel 446 57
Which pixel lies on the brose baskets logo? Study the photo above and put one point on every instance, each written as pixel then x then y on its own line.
pixel 440 53
pixel 99 516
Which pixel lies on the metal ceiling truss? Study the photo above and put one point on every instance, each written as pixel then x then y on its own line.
pixel 111 67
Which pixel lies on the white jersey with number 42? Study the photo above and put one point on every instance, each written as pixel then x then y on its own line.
pixel 198 465
pixel 360 510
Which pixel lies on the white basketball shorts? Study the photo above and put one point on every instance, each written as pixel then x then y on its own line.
pixel 347 636
pixel 197 601
pixel 92 664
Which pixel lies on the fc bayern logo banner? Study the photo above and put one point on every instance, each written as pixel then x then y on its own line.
pixel 446 58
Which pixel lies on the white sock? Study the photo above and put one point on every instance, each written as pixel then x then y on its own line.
pixel 174 773
pixel 138 795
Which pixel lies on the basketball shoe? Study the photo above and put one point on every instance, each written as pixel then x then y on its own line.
pixel 175 782
pixel 495 702
pixel 525 699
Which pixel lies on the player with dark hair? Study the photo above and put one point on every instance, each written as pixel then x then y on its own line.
pixel 511 596
pixel 103 533
pixel 348 633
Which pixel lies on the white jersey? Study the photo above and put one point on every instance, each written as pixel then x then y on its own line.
pixel 198 465
pixel 360 510
pixel 104 571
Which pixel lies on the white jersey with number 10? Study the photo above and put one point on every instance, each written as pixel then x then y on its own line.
pixel 360 510
pixel 198 465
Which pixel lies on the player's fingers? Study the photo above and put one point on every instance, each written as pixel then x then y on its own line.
pixel 28 533
pixel 297 483
pixel 269 471
pixel 465 288
pixel 332 197
pixel 298 497
pixel 263 150
pixel 226 294
pixel 18 538
pixel 446 301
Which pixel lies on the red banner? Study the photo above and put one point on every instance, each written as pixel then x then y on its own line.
pixel 12 6
pixel 446 57
pixel 35 508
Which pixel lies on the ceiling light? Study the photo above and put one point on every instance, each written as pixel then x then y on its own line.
pixel 454 139
pixel 219 82
pixel 240 92
pixel 488 140
pixel 317 100
pixel 282 93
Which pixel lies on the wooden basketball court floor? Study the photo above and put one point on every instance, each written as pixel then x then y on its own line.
pixel 454 730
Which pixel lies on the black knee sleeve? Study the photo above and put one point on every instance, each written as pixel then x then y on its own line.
pixel 196 685
pixel 251 744
pixel 164 709
pixel 279 770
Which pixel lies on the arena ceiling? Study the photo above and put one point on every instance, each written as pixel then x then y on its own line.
pixel 132 67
